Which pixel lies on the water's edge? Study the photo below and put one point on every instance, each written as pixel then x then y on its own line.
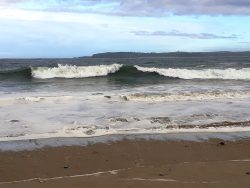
pixel 33 144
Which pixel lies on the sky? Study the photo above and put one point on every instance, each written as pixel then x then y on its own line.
pixel 73 28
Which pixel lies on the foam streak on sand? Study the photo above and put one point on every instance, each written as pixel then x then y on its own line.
pixel 72 71
pixel 230 73
pixel 157 180
pixel 112 172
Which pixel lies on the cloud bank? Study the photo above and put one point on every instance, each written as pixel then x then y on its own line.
pixel 185 7
pixel 143 7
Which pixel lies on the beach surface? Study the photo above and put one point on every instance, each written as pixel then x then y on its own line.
pixel 130 163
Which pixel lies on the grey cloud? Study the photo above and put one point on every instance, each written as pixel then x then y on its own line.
pixel 152 7
pixel 185 35
pixel 185 7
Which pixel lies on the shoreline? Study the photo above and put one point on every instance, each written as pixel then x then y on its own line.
pixel 130 163
pixel 34 144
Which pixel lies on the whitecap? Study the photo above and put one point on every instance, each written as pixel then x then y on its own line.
pixel 230 73
pixel 73 71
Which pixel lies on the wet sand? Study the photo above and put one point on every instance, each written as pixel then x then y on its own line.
pixel 136 163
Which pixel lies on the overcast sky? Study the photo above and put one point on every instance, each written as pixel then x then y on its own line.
pixel 72 28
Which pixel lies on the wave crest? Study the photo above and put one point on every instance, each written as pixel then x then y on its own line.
pixel 227 74
pixel 73 71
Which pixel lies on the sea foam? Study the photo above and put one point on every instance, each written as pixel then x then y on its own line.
pixel 196 96
pixel 230 73
pixel 73 71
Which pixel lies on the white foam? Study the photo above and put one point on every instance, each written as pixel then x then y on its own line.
pixel 101 132
pixel 30 99
pixel 169 97
pixel 230 73
pixel 87 115
pixel 72 71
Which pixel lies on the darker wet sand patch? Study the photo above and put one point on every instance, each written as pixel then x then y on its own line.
pixel 134 163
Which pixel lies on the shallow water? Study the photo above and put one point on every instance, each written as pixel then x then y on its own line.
pixel 87 97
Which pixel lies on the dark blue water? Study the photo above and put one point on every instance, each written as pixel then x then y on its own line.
pixel 16 74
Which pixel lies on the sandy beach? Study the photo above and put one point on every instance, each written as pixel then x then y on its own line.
pixel 134 163
pixel 124 94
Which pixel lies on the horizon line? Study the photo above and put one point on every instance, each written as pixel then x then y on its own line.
pixel 91 56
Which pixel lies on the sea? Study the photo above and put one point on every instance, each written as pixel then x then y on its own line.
pixel 93 97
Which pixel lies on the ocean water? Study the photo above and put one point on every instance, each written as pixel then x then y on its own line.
pixel 89 97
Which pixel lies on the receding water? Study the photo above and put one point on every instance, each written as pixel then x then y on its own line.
pixel 86 97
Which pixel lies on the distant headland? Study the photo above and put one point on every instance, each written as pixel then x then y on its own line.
pixel 168 54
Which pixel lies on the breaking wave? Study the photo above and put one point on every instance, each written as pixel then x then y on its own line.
pixel 72 71
pixel 125 71
pixel 227 74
